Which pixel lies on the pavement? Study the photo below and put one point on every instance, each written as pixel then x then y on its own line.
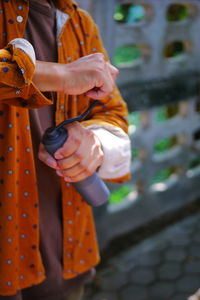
pixel 165 266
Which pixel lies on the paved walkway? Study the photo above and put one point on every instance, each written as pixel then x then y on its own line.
pixel 165 266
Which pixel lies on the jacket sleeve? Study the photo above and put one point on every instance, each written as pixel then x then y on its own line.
pixel 17 65
pixel 109 122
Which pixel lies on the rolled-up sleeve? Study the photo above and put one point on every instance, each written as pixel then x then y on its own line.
pixel 17 66
pixel 117 151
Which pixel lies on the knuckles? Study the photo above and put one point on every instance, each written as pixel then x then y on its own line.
pixel 76 141
pixel 99 57
pixel 82 167
pixel 78 156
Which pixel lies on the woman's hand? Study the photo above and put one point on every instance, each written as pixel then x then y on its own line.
pixel 78 158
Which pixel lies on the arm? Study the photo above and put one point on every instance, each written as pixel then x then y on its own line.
pixel 101 141
pixel 22 78
pixel 90 74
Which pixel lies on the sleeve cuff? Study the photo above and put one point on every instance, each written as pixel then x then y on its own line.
pixel 25 46
pixel 117 151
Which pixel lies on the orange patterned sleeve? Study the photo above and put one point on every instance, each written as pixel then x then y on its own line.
pixel 16 86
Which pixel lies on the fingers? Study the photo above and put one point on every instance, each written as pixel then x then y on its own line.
pixel 79 172
pixel 79 157
pixel 46 158
pixel 87 73
pixel 70 161
pixel 80 166
pixel 107 82
pixel 78 178
pixel 73 142
pixel 74 172
pixel 97 94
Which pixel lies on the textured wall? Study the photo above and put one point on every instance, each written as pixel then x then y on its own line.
pixel 162 93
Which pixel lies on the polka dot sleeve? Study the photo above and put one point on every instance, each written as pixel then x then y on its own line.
pixel 17 65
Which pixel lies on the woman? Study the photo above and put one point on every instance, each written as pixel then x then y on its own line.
pixel 47 236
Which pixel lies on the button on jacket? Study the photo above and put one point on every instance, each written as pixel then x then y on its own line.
pixel 77 35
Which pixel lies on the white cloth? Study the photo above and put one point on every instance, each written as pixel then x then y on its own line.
pixel 117 151
pixel 25 46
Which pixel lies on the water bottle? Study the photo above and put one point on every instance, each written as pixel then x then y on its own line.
pixel 92 189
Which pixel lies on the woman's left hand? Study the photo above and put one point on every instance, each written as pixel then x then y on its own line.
pixel 80 155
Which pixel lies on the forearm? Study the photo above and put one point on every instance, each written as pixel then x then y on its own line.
pixel 48 76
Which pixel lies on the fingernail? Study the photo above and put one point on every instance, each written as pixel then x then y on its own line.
pixel 59 173
pixel 51 162
pixel 59 156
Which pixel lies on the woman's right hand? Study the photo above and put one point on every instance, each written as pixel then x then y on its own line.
pixel 89 74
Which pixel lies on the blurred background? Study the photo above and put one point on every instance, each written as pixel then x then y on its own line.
pixel 149 231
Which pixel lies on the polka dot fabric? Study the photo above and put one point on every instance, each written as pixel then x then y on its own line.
pixel 20 260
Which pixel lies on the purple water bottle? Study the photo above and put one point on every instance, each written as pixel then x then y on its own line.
pixel 92 189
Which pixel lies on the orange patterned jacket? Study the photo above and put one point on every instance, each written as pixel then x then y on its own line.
pixel 19 235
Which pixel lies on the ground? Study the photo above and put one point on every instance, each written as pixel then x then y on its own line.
pixel 164 266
